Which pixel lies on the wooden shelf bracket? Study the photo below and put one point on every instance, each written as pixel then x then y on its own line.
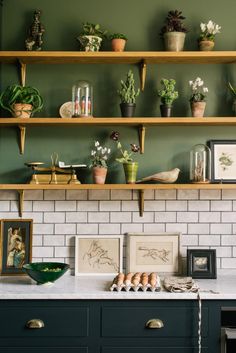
pixel 141 202
pixel 142 131
pixel 143 73
pixel 21 201
pixel 22 72
pixel 22 138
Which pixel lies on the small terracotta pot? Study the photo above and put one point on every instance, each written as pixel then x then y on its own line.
pixel 130 170
pixel 206 45
pixel 198 109
pixel 99 175
pixel 174 41
pixel 118 44
pixel 21 110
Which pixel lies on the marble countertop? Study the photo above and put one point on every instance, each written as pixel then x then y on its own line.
pixel 70 287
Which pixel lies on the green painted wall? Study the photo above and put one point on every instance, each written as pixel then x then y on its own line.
pixel 166 147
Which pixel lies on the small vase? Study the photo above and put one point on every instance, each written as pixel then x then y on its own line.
pixel 118 44
pixel 127 109
pixel 22 111
pixel 206 45
pixel 198 109
pixel 99 175
pixel 174 41
pixel 130 169
pixel 166 111
pixel 90 43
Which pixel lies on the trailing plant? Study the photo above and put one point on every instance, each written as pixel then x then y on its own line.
pixel 198 90
pixel 90 29
pixel 232 89
pixel 127 91
pixel 209 30
pixel 174 23
pixel 99 155
pixel 118 36
pixel 21 94
pixel 126 156
pixel 167 93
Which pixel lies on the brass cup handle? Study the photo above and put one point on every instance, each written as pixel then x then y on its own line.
pixel 154 324
pixel 35 324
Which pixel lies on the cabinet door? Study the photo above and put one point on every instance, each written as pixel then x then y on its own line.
pixel 44 350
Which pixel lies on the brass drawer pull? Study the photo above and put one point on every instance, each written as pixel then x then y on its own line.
pixel 35 324
pixel 154 323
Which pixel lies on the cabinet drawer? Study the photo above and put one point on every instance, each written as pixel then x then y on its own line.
pixel 44 350
pixel 59 321
pixel 131 322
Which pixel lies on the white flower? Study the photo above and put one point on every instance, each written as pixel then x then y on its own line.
pixel 93 153
pixel 205 89
pixel 99 148
pixel 190 83
pixel 103 151
pixel 203 27
pixel 97 144
pixel 105 158
pixel 109 151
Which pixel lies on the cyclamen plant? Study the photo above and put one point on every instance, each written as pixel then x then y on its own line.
pixel 99 155
pixel 209 30
pixel 198 90
pixel 126 156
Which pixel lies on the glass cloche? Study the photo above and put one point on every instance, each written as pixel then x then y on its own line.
pixel 200 164
pixel 82 99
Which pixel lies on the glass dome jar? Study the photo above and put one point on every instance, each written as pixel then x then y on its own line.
pixel 82 99
pixel 200 164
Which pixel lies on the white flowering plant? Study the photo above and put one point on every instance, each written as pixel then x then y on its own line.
pixel 198 90
pixel 99 155
pixel 209 30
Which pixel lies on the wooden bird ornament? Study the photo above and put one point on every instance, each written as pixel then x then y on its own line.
pixel 167 177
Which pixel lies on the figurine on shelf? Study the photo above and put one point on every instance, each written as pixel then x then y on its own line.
pixel 167 177
pixel 36 30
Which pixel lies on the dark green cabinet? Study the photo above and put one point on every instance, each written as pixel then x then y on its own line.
pixel 109 326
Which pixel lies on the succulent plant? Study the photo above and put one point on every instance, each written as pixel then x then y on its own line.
pixel 118 36
pixel 127 92
pixel 174 23
pixel 168 93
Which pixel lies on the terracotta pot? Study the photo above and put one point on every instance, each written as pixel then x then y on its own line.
pixel 174 41
pixel 198 109
pixel 21 110
pixel 118 44
pixel 206 45
pixel 127 109
pixel 99 175
pixel 90 43
pixel 130 169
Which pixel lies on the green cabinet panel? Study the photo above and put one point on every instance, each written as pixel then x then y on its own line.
pixel 151 350
pixel 44 350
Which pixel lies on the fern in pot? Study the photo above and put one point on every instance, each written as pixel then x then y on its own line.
pixel 128 95
pixel 21 101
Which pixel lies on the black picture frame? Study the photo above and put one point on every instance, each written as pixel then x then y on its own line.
pixel 15 245
pixel 201 263
pixel 223 161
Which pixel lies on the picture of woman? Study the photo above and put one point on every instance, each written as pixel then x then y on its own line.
pixel 16 248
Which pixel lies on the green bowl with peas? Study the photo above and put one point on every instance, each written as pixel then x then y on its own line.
pixel 45 272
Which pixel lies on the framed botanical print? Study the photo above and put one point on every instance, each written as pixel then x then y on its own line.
pixel 98 254
pixel 201 263
pixel 16 245
pixel 155 252
pixel 223 167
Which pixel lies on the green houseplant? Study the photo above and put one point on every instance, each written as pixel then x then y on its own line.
pixel 21 101
pixel 118 41
pixel 168 95
pixel 91 37
pixel 99 156
pixel 130 167
pixel 128 95
pixel 174 31
pixel 233 91
pixel 206 39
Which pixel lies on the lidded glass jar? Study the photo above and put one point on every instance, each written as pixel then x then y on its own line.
pixel 82 99
pixel 200 164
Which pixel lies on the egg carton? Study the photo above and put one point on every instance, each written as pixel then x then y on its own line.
pixel 135 288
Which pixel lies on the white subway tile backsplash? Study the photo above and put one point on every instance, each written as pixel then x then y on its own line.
pixel 8 195
pixel 228 217
pixel 147 217
pixel 176 205
pixel 77 195
pixel 154 227
pixel 228 262
pixel 65 251
pixel 130 205
pixel 5 205
pixel 99 194
pixel 37 217
pixel 148 194
pixel 107 228
pixel 65 228
pixel 221 228
pixel 43 206
pixel 154 206
pixel 98 217
pixel 221 205
pixel 187 194
pixel 27 206
pixel 53 240
pixel 110 206
pixel 176 227
pixel 225 251
pixel 43 228
pixel 131 228
pixel 121 195
pixel 209 217
pixel 87 206
pixel 206 240
pixel 33 195
pixel 165 194
pixel 54 194
pixel 210 194
pixel 228 240
pixel 54 217
pixel 76 217
pixel 165 217
pixel 65 205
pixel 43 251
pixel 37 240
pixel 120 217
pixel 198 228
pixel 86 229
pixel 199 206
pixel 189 240
pixel 188 217
pixel 228 194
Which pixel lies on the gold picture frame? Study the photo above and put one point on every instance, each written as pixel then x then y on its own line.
pixel 16 245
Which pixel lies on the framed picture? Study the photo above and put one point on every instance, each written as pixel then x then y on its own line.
pixel 223 165
pixel 98 254
pixel 201 263
pixel 16 245
pixel 153 252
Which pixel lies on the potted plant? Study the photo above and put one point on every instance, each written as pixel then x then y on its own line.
pixel 118 41
pixel 128 95
pixel 206 40
pixel 197 99
pixel 168 96
pixel 99 157
pixel 130 167
pixel 91 37
pixel 233 91
pixel 21 101
pixel 174 31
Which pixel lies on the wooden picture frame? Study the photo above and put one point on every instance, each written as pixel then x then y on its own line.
pixel 153 252
pixel 98 255
pixel 16 245
pixel 201 263
pixel 223 161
